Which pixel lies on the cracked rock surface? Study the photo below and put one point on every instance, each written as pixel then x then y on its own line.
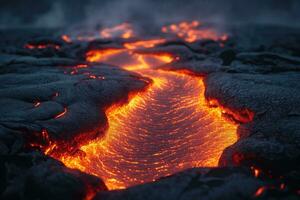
pixel 62 97
pixel 257 69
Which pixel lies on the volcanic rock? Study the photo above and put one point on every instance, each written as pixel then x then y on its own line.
pixel 54 96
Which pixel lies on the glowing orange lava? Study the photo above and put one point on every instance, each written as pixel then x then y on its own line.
pixel 192 31
pixel 42 46
pixel 100 55
pixel 144 43
pixel 123 30
pixel 166 129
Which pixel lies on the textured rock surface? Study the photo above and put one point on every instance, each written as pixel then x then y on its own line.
pixel 28 176
pixel 52 98
pixel 256 69
pixel 193 184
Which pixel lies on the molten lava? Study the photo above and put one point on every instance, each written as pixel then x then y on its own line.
pixel 144 43
pixel 166 129
pixel 192 31
pixel 122 30
pixel 42 46
pixel 100 55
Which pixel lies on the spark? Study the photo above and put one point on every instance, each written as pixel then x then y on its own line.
pixel 66 38
pixel 37 104
pixel 259 191
pixel 42 46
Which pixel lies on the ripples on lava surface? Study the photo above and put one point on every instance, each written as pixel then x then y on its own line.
pixel 160 131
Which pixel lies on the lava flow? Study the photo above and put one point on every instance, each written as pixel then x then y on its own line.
pixel 166 129
pixel 193 31
pixel 124 30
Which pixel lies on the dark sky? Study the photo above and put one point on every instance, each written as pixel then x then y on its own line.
pixel 52 13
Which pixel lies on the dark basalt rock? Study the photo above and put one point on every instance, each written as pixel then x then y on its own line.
pixel 256 70
pixel 257 76
pixel 196 66
pixel 57 84
pixel 33 176
pixel 26 81
pixel 272 146
pixel 215 183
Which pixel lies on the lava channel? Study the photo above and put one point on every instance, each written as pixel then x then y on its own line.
pixel 166 129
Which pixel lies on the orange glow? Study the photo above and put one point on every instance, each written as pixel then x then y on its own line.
pixel 163 130
pixel 92 76
pixel 144 43
pixel 37 104
pixel 43 141
pixel 61 114
pixel 122 30
pixel 90 195
pixel 42 46
pixel 66 38
pixel 50 148
pixel 256 171
pixel 192 31
pixel 259 191
pixel 81 66
pixel 243 115
pixel 100 55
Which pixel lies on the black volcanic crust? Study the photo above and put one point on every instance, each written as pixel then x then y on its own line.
pixel 257 69
pixel 201 183
pixel 53 79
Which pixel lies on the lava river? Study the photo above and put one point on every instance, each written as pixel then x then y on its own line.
pixel 163 130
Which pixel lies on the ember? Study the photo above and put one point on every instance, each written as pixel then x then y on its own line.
pixel 61 114
pixel 37 104
pixel 42 46
pixel 66 38
pixel 259 191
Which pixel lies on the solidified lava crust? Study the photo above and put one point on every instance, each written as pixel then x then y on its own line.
pixel 101 114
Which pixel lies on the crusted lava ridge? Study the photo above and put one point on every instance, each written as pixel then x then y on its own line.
pixel 52 101
pixel 254 75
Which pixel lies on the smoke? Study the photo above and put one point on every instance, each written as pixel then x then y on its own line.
pixel 64 13
pixel 53 18
pixel 145 12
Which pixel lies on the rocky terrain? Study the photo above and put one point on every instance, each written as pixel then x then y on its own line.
pixel 53 96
